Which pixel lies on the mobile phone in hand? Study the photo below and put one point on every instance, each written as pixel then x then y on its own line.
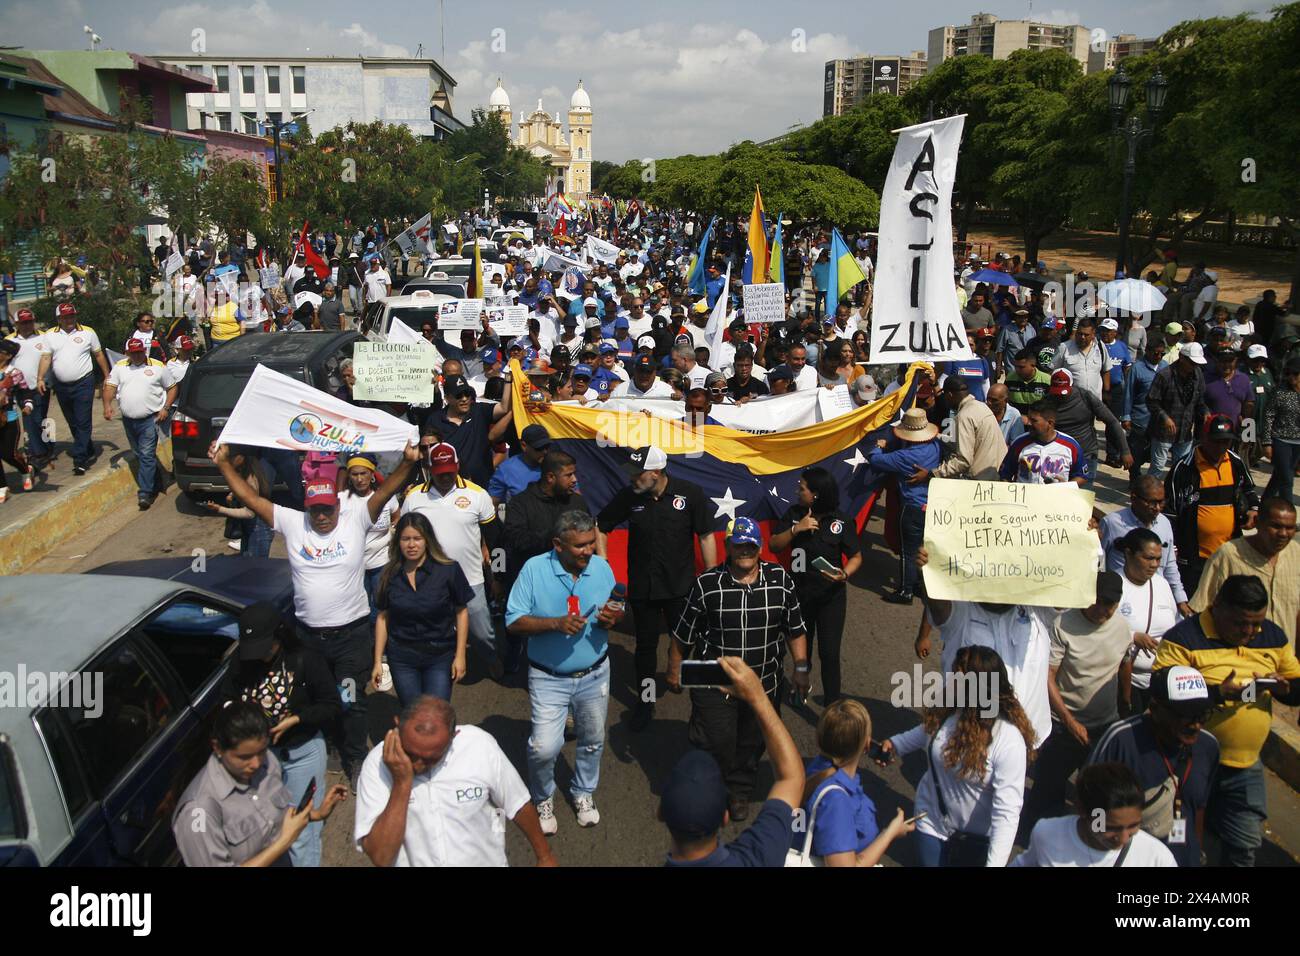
pixel 879 753
pixel 308 796
pixel 703 674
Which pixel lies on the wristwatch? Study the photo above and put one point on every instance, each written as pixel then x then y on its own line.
pixel 802 667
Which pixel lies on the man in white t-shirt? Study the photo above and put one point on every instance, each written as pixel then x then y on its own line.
pixel 74 350
pixel 645 383
pixel 145 391
pixel 460 512
pixel 32 346
pixel 1107 831
pixel 434 794
pixel 692 371
pixel 327 559
pixel 180 365
pixel 378 282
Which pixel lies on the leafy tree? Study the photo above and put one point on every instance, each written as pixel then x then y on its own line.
pixel 600 168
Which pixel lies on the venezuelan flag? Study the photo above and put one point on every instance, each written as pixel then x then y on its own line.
pixel 695 275
pixel 755 269
pixel 742 474
pixel 776 262
pixel 845 272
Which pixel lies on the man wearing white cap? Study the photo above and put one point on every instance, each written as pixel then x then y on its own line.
pixel 1177 404
pixel 1263 385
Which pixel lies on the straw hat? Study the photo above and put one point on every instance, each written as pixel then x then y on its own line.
pixel 915 426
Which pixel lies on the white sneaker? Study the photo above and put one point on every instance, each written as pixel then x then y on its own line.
pixel 588 815
pixel 233 545
pixel 546 814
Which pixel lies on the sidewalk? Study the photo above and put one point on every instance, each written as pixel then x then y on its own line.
pixel 32 523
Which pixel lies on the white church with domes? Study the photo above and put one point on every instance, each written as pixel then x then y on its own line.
pixel 543 136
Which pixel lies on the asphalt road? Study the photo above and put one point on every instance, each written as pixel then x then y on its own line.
pixel 877 644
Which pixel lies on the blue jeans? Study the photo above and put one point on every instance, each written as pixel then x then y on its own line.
pixel 142 433
pixel 1236 813
pixel 1092 470
pixel 1164 453
pixel 299 764
pixel 929 849
pixel 371 581
pixel 911 532
pixel 76 400
pixel 37 446
pixel 550 699
pixel 255 541
pixel 415 674
pixel 482 632
pixel 1285 456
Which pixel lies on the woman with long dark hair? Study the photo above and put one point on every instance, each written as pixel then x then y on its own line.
pixel 295 689
pixel 1148 606
pixel 824 554
pixel 254 534
pixel 423 624
pixel 977 748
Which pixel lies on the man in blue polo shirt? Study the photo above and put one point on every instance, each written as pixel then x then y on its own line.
pixel 564 603
pixel 694 805
pixel 519 471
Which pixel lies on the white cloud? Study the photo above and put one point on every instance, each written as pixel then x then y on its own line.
pixel 370 44
pixel 1058 16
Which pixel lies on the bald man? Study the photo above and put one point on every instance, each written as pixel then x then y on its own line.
pixel 434 794
pixel 1008 417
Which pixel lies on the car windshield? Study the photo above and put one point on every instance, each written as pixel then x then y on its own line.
pixel 216 390
pixel 415 318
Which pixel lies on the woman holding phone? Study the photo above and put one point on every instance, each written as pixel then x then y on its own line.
pixel 423 624
pixel 296 692
pixel 237 811
pixel 824 554
pixel 976 753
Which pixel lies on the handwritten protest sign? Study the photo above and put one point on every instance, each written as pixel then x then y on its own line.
pixel 457 314
pixel 764 302
pixel 1010 543
pixel 392 372
pixel 507 319
pixel 174 262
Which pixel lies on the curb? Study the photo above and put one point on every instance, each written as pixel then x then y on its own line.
pixel 1281 751
pixel 26 542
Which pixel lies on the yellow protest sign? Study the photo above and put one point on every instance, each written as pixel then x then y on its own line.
pixel 1010 543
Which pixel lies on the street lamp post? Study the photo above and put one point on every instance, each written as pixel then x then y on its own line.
pixel 275 144
pixel 1132 132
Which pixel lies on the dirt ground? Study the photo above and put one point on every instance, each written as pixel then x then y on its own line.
pixel 1244 271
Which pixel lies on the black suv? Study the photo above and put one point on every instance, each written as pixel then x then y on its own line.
pixel 214 383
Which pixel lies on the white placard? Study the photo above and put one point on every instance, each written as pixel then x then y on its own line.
pixel 764 302
pixel 459 314
pixel 507 319
pixel 174 262
pixel 392 372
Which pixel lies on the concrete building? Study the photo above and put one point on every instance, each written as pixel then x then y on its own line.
pixel 986 35
pixel 1118 49
pixel 248 91
pixel 848 82
pixel 543 136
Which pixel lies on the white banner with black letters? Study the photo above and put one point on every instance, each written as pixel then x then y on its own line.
pixel 915 315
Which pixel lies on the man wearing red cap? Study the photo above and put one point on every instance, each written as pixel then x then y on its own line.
pixel 32 347
pixel 184 356
pixel 1077 410
pixel 461 512
pixel 327 560
pixel 145 391
pixel 74 350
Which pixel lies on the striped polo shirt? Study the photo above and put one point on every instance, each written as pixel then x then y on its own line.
pixel 1215 508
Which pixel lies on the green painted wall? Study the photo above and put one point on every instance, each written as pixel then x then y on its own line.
pixel 90 74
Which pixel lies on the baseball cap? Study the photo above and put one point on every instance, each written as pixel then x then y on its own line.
pixel 648 458
pixel 694 800
pixel 489 356
pixel 10 347
pixel 1051 322
pixel 591 322
pixel 1182 689
pixel 443 459
pixel 65 308
pixel 581 371
pixel 1256 351
pixel 1110 324
pixel 25 315
pixel 1062 383
pixel 1020 312
pixel 643 362
pixel 570 320
pixel 1219 426
pixel 134 345
pixel 258 624
pixel 1110 587
pixel 516 345
pixel 1174 328
pixel 536 436
pixel 781 372
pixel 1193 352
pixel 591 302
pixel 607 348
pixel 700 307
pixel 745 531
pixel 456 385
pixel 320 493
pixel 737 325
pixel 185 342
pixel 622 323
pixel 646 341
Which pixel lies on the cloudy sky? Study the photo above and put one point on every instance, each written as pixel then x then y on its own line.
pixel 665 78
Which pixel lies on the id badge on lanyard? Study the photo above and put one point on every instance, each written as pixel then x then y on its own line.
pixel 575 606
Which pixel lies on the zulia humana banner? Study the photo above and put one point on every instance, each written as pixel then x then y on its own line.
pixel 916 315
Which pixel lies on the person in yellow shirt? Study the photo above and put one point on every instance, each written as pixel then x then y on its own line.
pixel 1248 660
pixel 223 322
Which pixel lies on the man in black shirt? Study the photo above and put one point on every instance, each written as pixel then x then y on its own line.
pixel 471 427
pixel 745 608
pixel 664 517
pixel 742 385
